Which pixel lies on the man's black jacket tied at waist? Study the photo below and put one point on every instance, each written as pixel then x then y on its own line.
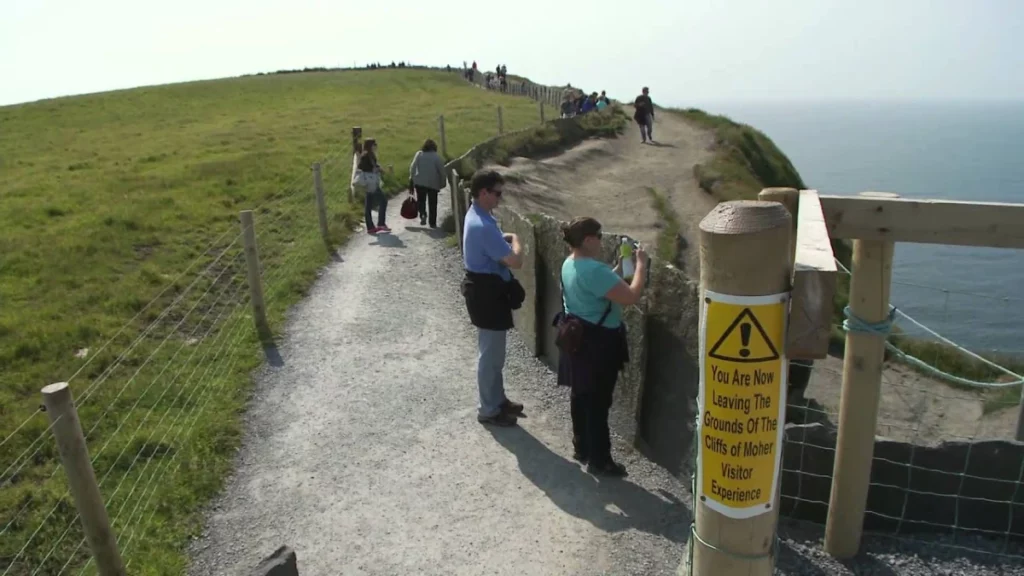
pixel 490 299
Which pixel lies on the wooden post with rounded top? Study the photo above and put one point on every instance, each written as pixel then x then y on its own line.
pixel 252 263
pixel 788 197
pixel 862 384
pixel 744 251
pixel 444 138
pixel 321 201
pixel 357 135
pixel 501 121
pixel 74 457
pixel 541 105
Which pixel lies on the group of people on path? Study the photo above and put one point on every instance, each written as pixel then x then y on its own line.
pixel 576 101
pixel 591 335
pixel 426 179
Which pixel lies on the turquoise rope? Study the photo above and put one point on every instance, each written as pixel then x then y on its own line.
pixel 881 328
pixel 884 327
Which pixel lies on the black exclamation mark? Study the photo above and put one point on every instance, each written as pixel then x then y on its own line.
pixel 745 336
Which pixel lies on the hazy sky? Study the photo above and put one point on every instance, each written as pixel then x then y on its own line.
pixel 688 51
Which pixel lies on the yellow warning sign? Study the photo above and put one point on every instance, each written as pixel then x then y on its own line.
pixel 742 402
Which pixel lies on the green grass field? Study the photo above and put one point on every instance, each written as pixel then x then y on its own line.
pixel 119 222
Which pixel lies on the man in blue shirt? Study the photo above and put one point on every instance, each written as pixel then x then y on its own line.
pixel 489 256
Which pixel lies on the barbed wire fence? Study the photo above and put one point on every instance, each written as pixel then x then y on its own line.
pixel 148 397
pixel 946 473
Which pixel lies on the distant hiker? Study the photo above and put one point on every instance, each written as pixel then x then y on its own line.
pixel 592 340
pixel 428 178
pixel 375 198
pixel 491 293
pixel 603 101
pixel 567 106
pixel 589 103
pixel 504 70
pixel 644 115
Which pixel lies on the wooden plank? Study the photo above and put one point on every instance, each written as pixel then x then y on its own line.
pixel 995 224
pixel 814 283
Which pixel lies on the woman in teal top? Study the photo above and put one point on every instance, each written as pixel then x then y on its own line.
pixel 593 294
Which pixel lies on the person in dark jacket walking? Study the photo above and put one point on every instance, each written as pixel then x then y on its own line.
pixel 491 293
pixel 593 295
pixel 644 115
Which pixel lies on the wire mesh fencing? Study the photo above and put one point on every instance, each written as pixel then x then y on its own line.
pixel 945 471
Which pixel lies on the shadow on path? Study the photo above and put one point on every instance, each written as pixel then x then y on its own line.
pixel 611 505
pixel 272 354
pixel 435 233
pixel 388 241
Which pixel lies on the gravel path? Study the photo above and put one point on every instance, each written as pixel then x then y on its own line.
pixel 363 452
pixel 608 179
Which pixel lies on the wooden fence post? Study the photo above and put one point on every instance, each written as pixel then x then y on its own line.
pixel 788 197
pixel 252 262
pixel 74 457
pixel 541 112
pixel 501 121
pixel 444 138
pixel 1020 418
pixel 321 203
pixel 745 269
pixel 357 134
pixel 862 384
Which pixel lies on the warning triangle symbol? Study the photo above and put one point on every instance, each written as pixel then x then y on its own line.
pixel 744 341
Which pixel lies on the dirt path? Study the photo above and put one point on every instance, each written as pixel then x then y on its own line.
pixel 363 452
pixel 608 179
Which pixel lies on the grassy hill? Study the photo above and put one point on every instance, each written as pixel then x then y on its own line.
pixel 121 271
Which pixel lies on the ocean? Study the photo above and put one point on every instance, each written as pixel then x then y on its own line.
pixel 953 151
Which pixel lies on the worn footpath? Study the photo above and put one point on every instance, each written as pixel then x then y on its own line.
pixel 363 453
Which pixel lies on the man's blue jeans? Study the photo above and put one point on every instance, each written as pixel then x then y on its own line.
pixel 490 363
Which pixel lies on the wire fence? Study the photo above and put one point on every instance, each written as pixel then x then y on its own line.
pixel 149 396
pixel 946 472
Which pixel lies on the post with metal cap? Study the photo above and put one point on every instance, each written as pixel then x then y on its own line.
pixel 74 457
pixel 321 202
pixel 252 262
pixel 501 121
pixel 745 270
pixel 862 385
pixel 444 138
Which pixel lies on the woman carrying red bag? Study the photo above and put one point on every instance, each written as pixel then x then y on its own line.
pixel 428 178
